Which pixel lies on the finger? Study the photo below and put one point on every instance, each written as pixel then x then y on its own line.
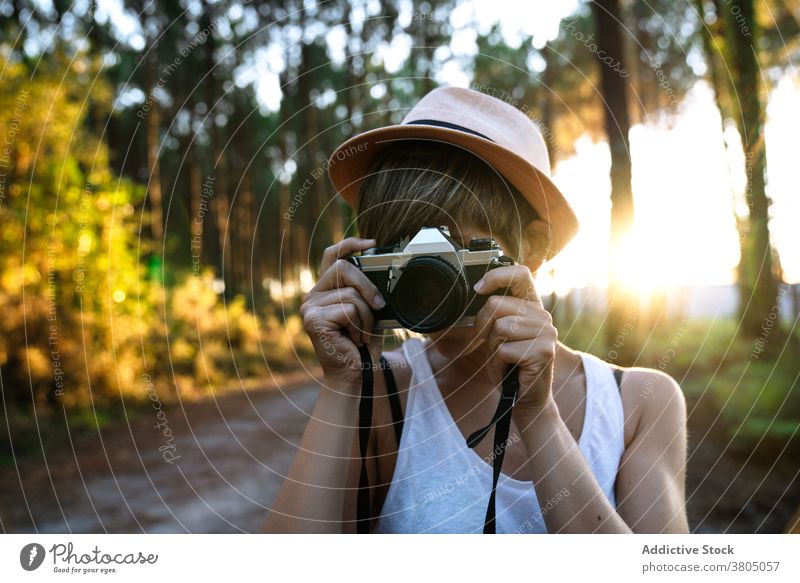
pixel 342 249
pixel 505 353
pixel 510 329
pixel 349 295
pixel 342 317
pixel 519 328
pixel 525 353
pixel 345 274
pixel 496 307
pixel 517 278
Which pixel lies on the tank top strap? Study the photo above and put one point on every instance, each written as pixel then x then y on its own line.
pixel 603 437
pixel 422 378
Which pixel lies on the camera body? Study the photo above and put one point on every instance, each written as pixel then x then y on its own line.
pixel 427 280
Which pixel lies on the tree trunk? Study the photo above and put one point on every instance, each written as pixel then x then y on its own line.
pixel 423 33
pixel 621 312
pixel 355 88
pixel 243 234
pixel 193 180
pixel 758 288
pixel 713 41
pixel 152 133
pixel 220 202
pixel 305 185
pixel 546 103
pixel 283 239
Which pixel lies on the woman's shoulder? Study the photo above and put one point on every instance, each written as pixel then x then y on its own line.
pixel 639 385
pixel 650 385
pixel 652 398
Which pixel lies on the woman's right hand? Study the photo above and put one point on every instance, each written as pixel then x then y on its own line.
pixel 337 314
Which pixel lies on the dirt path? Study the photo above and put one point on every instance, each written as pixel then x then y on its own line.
pixel 230 454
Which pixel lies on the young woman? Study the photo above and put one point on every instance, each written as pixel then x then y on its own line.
pixel 585 453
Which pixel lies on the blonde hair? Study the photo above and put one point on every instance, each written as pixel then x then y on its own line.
pixel 420 183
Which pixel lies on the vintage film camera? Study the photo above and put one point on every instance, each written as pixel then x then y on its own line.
pixel 427 280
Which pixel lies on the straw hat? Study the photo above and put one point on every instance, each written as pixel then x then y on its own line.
pixel 498 133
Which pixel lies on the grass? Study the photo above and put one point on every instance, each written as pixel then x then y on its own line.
pixel 739 395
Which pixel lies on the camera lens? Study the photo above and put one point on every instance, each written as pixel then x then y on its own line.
pixel 430 295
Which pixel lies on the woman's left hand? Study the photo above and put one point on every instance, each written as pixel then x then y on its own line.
pixel 519 331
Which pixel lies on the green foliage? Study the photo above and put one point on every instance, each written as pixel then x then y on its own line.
pixel 86 309
pixel 747 397
pixel 211 342
pixel 82 322
pixel 69 277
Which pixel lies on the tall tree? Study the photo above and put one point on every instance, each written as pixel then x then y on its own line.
pixel 613 87
pixel 756 280
pixel 219 166
pixel 152 145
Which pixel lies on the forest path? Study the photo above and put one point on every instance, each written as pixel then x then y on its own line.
pixel 230 456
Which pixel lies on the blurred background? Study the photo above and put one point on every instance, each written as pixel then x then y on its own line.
pixel 164 206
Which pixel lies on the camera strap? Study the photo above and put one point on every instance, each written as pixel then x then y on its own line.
pixel 364 426
pixel 501 421
pixel 502 424
pixel 363 505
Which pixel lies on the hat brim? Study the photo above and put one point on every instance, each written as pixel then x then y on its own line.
pixel 351 161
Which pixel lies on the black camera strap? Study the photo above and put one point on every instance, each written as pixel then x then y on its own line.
pixel 502 424
pixel 364 426
pixel 501 421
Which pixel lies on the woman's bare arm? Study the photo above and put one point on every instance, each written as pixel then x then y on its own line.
pixel 312 496
pixel 338 319
pixel 650 490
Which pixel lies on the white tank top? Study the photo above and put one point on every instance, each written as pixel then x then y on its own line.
pixel 442 486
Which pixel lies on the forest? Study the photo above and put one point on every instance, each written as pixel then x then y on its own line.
pixel 165 203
